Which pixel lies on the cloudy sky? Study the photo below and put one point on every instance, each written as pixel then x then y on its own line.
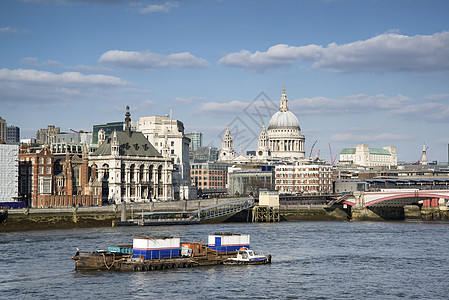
pixel 373 71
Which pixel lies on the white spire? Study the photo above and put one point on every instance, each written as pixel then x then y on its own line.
pixel 424 161
pixel 284 105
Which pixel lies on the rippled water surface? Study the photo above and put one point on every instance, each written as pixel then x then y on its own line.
pixel 311 260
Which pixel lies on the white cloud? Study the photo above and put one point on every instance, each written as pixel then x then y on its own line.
pixel 149 60
pixel 276 56
pixel 12 31
pixel 155 8
pixel 430 112
pixel 382 137
pixel 188 100
pixel 39 87
pixel 388 52
pixel 63 79
pixel 34 62
pixel 359 103
pixel 438 97
pixel 228 108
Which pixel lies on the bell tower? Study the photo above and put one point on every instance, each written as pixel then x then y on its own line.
pixel 263 151
pixel 227 151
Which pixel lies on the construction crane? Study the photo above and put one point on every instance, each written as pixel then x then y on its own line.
pixel 332 157
pixel 311 148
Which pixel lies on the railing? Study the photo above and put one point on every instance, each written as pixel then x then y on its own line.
pixel 340 199
pixel 224 209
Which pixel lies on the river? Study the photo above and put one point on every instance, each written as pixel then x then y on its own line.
pixel 311 260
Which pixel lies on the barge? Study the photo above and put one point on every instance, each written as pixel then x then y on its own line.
pixel 164 252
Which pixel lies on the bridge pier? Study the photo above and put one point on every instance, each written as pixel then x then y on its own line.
pixel 377 213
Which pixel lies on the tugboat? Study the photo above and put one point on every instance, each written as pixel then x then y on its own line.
pixel 247 256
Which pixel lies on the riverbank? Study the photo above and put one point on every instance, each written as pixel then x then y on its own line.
pixel 104 216
pixel 92 216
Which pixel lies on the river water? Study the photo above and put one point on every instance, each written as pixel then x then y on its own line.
pixel 311 260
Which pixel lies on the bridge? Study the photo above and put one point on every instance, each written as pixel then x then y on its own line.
pixel 391 197
pixel 222 210
pixel 389 204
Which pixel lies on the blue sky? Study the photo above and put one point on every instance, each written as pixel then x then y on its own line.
pixel 374 72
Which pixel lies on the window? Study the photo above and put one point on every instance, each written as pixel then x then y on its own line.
pixel 45 185
pixel 172 143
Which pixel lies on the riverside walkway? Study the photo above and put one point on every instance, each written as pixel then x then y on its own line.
pixel 188 217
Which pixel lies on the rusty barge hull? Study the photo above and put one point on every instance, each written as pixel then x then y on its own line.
pixel 92 261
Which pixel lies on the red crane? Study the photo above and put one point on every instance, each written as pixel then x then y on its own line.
pixel 332 158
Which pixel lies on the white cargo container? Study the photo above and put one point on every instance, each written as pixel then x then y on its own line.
pixel 156 247
pixel 227 242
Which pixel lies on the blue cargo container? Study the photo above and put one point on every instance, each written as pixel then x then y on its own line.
pixel 156 253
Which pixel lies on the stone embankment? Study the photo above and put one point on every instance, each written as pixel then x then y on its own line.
pixel 99 216
pixel 312 213
pixel 91 216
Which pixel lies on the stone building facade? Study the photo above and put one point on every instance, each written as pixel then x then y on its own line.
pixel 163 131
pixel 364 156
pixel 129 168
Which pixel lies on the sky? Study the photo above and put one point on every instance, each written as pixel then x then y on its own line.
pixel 355 71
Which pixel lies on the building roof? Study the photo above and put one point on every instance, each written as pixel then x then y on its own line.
pixel 283 120
pixel 378 151
pixel 348 151
pixel 135 145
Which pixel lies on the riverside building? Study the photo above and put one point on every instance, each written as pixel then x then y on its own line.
pixel 163 131
pixel 130 169
pixel 304 179
pixel 364 156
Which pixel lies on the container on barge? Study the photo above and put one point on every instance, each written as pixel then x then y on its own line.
pixel 156 253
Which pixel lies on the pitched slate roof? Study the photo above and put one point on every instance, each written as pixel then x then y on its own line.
pixel 135 145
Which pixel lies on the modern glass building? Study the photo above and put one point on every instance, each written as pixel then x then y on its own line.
pixel 108 128
pixel 196 140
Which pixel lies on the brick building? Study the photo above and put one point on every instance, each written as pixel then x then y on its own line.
pixel 35 173
pixel 304 179
pixel 209 177
pixel 49 180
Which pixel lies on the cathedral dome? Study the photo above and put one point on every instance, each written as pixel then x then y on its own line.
pixel 284 120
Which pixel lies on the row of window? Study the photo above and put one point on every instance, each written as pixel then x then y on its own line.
pixel 315 175
pixel 286 169
pixel 211 184
pixel 42 160
pixel 211 172
pixel 310 181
